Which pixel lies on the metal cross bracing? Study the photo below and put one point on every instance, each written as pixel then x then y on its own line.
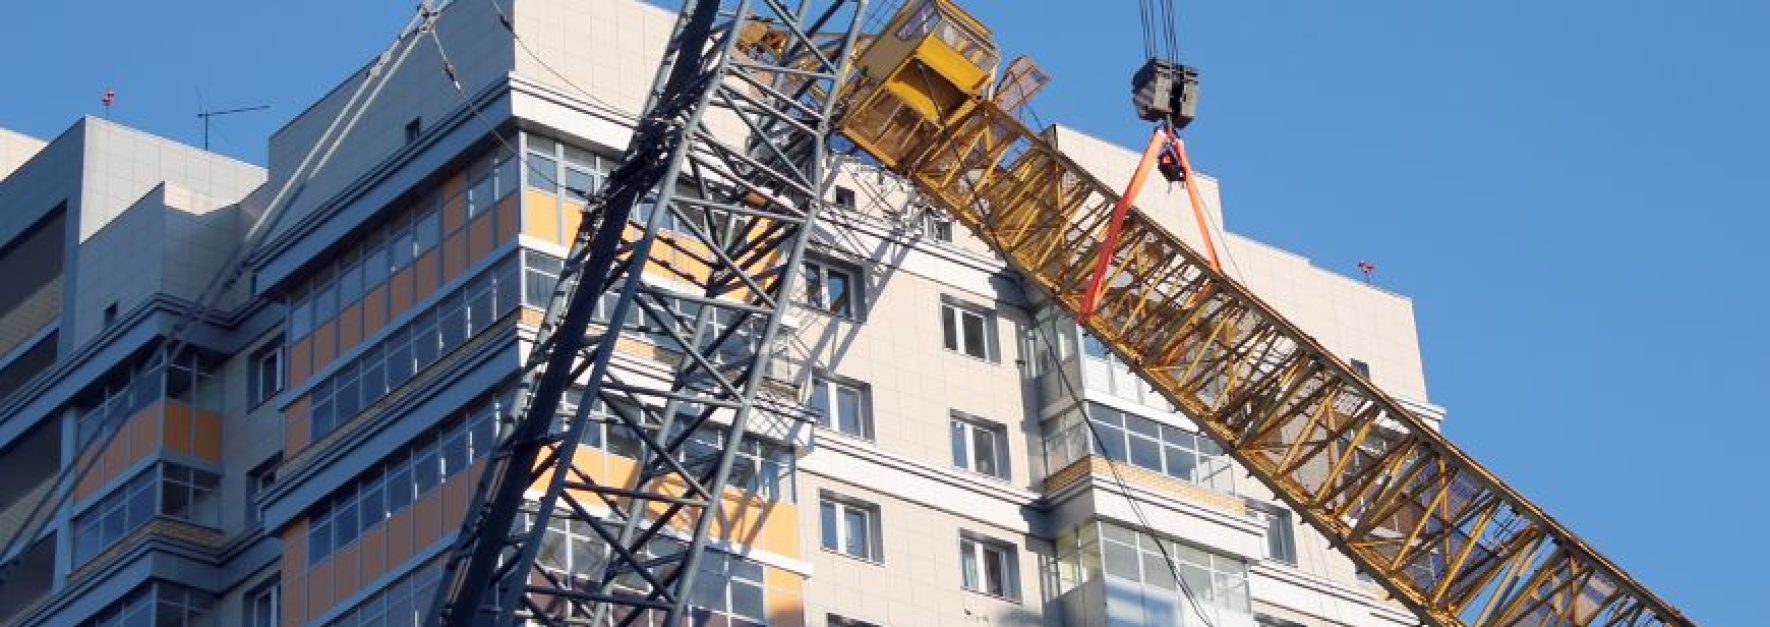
pixel 1442 534
pixel 730 152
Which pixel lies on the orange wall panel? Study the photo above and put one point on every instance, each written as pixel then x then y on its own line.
pixel 427 519
pixel 350 328
pixel 399 292
pixel 571 219
pixel 346 570
pixel 479 237
pixel 143 433
pixel 324 345
pixel 509 218
pixel 178 428
pixel 208 436
pixel 374 310
pixel 92 479
pixel 454 255
pixel 294 573
pixel 399 537
pixel 454 211
pixel 293 596
pixel 319 589
pixel 300 360
pixel 540 216
pixel 374 543
pixel 297 425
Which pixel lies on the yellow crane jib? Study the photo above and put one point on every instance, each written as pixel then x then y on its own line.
pixel 1439 531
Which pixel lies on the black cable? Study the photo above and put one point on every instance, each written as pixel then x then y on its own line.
pixel 1124 486
pixel 1118 477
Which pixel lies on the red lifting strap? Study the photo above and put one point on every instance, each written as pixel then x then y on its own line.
pixel 1158 142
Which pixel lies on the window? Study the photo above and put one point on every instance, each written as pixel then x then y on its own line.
pixel 838 620
pixel 831 288
pixel 980 446
pixel 159 604
pixel 920 23
pixel 1126 437
pixel 404 477
pixel 267 372
pixel 383 367
pixel 259 479
pixel 402 603
pixel 110 314
pixel 936 225
pixel 989 566
pixel 844 197
pixel 1217 581
pixel 263 604
pixel 968 330
pixel 851 527
pixel 1281 539
pixel 413 129
pixel 165 489
pixel 1363 369
pixel 842 406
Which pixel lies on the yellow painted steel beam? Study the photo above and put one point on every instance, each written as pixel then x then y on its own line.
pixel 1442 533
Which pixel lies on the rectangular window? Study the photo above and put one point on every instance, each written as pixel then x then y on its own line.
pixel 989 566
pixel 166 489
pixel 851 527
pixel 259 479
pixel 831 288
pixel 841 405
pixel 936 225
pixel 1219 582
pixel 1126 437
pixel 263 605
pixel 267 372
pixel 1363 369
pixel 980 446
pixel 844 197
pixel 837 620
pixel 1281 539
pixel 968 330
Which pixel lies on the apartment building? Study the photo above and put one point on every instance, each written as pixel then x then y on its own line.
pixel 309 458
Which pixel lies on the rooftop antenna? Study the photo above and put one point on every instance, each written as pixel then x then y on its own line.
pixel 1368 269
pixel 204 114
pixel 109 98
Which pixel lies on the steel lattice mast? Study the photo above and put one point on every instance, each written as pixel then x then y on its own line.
pixel 743 200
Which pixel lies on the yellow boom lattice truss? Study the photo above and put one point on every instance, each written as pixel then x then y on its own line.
pixel 1440 532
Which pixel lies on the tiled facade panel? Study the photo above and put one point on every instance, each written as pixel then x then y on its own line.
pixel 165 426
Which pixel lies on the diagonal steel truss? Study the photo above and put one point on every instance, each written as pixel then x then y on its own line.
pixel 1442 533
pixel 730 154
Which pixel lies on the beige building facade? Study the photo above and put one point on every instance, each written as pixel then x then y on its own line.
pixel 976 458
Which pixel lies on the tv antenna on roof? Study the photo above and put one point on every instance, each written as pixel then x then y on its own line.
pixel 204 114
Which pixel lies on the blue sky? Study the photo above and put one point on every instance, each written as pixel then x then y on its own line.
pixel 1570 191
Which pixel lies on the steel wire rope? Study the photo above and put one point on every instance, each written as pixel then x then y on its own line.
pixel 232 269
pixel 1124 487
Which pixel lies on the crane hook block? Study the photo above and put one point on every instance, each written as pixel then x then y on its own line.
pixel 1165 90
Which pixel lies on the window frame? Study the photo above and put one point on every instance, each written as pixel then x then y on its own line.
pixel 834 509
pixel 833 386
pixel 974 551
pixel 1281 531
pixel 257 395
pixel 821 268
pixel 270 592
pixel 972 426
pixel 954 336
